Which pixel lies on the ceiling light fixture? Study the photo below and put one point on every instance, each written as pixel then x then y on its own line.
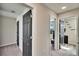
pixel 13 11
pixel 64 7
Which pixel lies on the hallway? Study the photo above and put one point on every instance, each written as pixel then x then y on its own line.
pixel 11 50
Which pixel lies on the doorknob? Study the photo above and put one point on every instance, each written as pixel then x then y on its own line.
pixel 30 37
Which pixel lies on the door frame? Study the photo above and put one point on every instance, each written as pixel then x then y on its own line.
pixel 20 19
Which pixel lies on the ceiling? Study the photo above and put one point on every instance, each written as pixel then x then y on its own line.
pixel 16 8
pixel 56 7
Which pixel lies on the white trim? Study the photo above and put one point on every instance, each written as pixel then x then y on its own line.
pixel 7 44
pixel 77 33
pixel 20 19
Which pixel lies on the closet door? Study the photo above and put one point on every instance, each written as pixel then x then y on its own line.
pixel 27 34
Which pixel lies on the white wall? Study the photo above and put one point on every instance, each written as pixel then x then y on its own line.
pixel 71 29
pixel 41 43
pixel 72 13
pixel 40 30
pixel 7 30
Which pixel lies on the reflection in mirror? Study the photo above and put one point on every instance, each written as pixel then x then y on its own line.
pixel 52 32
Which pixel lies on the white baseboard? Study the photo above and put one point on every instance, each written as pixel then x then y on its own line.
pixel 7 44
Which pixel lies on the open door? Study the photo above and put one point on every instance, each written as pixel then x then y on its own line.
pixel 27 34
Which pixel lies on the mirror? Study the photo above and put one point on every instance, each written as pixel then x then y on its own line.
pixel 52 32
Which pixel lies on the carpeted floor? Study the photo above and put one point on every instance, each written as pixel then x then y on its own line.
pixel 11 50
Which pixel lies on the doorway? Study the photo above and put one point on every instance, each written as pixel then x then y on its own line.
pixel 52 33
pixel 68 35
pixel 27 34
pixel 17 33
pixel 11 28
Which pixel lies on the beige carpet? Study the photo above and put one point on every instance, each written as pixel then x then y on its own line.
pixel 11 50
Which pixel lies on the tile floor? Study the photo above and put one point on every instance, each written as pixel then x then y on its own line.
pixel 64 52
